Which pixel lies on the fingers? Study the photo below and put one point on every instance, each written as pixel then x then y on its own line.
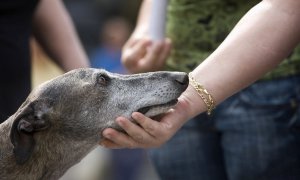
pixel 142 55
pixel 116 140
pixel 109 144
pixel 156 56
pixel 166 50
pixel 133 52
pixel 139 49
pixel 136 137
pixel 150 126
pixel 148 132
pixel 140 137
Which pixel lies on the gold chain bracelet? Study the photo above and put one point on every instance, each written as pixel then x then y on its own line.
pixel 204 94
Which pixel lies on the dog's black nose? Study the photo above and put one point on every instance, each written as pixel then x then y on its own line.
pixel 182 78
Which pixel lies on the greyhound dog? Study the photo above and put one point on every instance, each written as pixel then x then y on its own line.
pixel 61 120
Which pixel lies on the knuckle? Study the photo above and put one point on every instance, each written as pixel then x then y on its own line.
pixel 141 120
pixel 169 126
pixel 128 57
pixel 149 128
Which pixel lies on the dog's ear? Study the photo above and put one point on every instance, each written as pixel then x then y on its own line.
pixel 27 122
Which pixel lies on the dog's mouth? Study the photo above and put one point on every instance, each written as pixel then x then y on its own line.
pixel 155 110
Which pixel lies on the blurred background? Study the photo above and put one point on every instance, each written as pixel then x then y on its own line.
pixel 103 27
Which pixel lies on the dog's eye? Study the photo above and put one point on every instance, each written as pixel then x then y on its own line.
pixel 102 79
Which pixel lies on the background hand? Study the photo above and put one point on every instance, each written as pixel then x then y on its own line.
pixel 143 55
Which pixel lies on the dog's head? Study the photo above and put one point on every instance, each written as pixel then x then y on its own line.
pixel 81 103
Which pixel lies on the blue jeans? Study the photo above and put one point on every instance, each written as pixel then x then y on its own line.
pixel 254 135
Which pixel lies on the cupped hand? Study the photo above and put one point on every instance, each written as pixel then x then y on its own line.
pixel 147 133
pixel 144 55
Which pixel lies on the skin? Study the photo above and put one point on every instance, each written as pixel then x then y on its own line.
pixel 55 32
pixel 140 53
pixel 259 42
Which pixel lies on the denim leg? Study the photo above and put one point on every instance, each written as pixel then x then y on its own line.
pixel 261 131
pixel 194 153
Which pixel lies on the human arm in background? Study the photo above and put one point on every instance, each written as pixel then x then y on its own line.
pixel 55 32
pixel 140 53
pixel 259 42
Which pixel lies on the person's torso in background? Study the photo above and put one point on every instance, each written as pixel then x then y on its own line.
pixel 15 31
pixel 197 27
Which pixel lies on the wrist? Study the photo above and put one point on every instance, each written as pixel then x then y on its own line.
pixel 203 93
pixel 141 31
pixel 191 103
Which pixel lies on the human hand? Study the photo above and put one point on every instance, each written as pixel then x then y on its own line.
pixel 147 133
pixel 143 55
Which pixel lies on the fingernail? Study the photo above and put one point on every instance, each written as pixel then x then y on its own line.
pixel 120 122
pixel 108 136
pixel 134 115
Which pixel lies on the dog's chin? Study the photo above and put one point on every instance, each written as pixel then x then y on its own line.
pixel 154 111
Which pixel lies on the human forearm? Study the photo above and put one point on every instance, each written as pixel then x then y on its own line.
pixel 260 41
pixel 55 32
pixel 142 24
